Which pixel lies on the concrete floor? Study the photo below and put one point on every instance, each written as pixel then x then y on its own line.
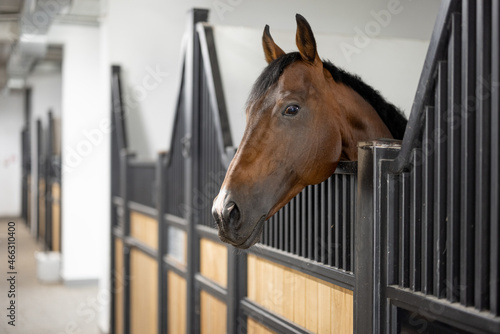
pixel 42 308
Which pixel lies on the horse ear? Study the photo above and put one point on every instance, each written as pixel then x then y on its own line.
pixel 305 40
pixel 271 50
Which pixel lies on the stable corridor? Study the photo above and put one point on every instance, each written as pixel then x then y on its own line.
pixel 42 308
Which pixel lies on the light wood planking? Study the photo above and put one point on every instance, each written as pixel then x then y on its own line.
pixel 176 303
pixel 143 293
pixel 119 286
pixel 342 300
pixel 213 314
pixel 41 208
pixel 56 217
pixel 144 229
pixel 253 327
pixel 213 261
pixel 316 305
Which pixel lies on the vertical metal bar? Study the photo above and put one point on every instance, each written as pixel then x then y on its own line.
pixel 310 222
pixel 440 181
pixel 191 114
pixel 370 231
pixel 298 223
pixel 162 243
pixel 467 143
pixel 453 160
pixel 404 231
pixel 316 242
pixel 304 222
pixel 338 220
pixel 324 222
pixel 393 213
pixel 281 228
pixel 330 219
pixel 290 226
pixel 483 123
pixel 124 176
pixel 353 204
pixel 495 161
pixel 345 219
pixel 415 220
pixel 428 202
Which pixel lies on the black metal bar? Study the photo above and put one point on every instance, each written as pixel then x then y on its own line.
pixel 467 143
pixel 287 223
pixel 49 179
pixel 316 240
pixel 118 109
pixel 192 82
pixel 404 231
pixel 236 289
pixel 162 243
pixel 453 160
pixel 270 319
pixel 353 208
pixel 324 230
pixel 416 220
pixel 495 162
pixel 428 202
pixel 124 171
pixel 331 221
pixel 345 218
pixel 440 180
pixel 370 243
pixel 132 242
pixel 38 174
pixel 337 230
pixel 178 222
pixel 175 267
pixel 143 209
pixel 310 222
pixel 393 225
pixel 213 289
pixel 483 135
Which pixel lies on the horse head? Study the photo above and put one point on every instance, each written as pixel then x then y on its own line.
pixel 299 124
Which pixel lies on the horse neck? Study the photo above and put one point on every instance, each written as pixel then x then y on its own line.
pixel 359 121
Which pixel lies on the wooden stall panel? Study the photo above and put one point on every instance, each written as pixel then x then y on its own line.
pixel 176 303
pixel 119 286
pixel 319 306
pixel 213 314
pixel 144 229
pixel 41 208
pixel 56 217
pixel 213 261
pixel 253 327
pixel 143 293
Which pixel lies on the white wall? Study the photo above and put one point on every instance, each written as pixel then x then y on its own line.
pixel 11 124
pixel 151 42
pixel 85 153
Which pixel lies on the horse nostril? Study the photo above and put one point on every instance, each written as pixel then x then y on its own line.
pixel 231 214
pixel 234 215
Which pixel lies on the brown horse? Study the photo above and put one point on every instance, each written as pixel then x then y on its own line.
pixel 303 116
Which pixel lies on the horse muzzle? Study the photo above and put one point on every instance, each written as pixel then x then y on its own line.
pixel 232 223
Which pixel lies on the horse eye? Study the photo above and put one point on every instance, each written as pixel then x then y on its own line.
pixel 291 110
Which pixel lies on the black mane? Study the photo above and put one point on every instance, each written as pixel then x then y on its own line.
pixel 390 115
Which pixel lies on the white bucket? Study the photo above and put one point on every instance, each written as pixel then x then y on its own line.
pixel 48 266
